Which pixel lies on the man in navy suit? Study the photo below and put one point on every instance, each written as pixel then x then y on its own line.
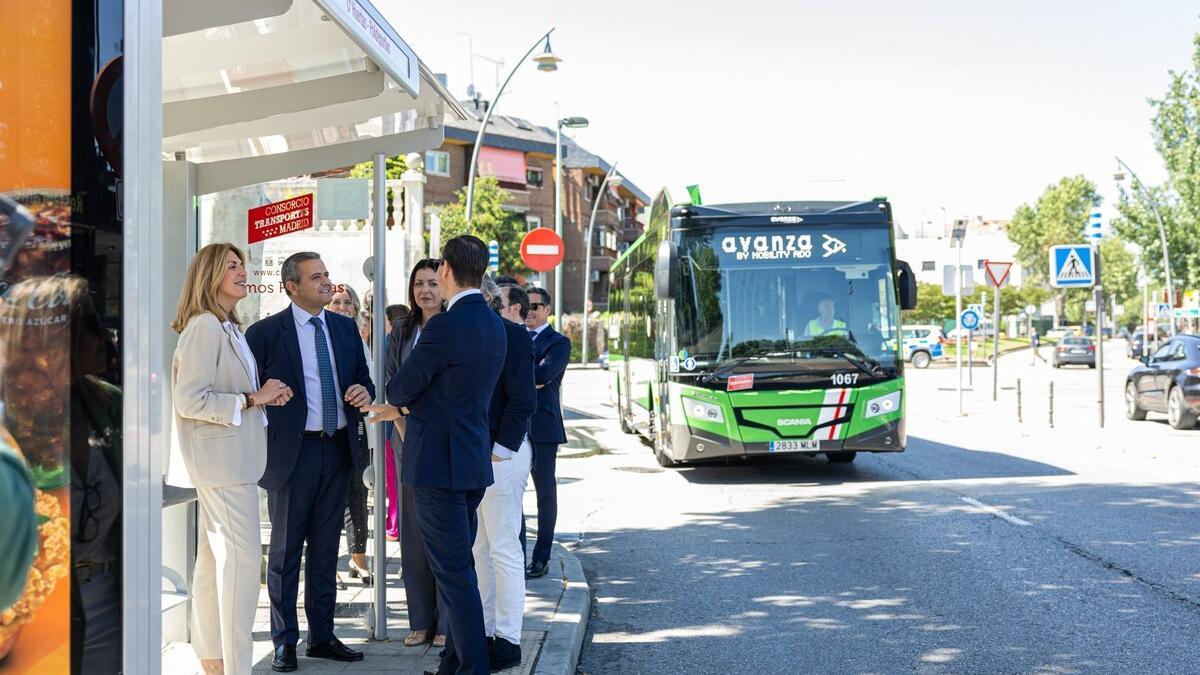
pixel 551 353
pixel 499 562
pixel 445 390
pixel 320 356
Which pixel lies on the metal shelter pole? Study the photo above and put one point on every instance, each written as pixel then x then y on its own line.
pixel 379 343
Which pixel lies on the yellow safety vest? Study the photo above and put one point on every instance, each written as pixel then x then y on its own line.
pixel 838 328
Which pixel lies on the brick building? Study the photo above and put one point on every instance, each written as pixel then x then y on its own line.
pixel 521 155
pixel 617 225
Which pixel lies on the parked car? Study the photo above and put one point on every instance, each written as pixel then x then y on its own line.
pixel 1055 334
pixel 922 344
pixel 1136 346
pixel 1168 381
pixel 1075 350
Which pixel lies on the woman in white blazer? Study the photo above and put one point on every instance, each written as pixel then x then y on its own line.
pixel 221 451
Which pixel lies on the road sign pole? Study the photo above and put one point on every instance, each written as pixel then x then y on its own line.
pixel 958 284
pixel 995 343
pixel 970 362
pixel 1100 336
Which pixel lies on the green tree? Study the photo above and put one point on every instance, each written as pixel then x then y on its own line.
pixel 1057 217
pixel 932 306
pixel 491 220
pixel 395 168
pixel 1177 140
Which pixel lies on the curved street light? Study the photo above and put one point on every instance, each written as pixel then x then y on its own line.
pixel 609 179
pixel 570 123
pixel 547 62
pixel 1162 231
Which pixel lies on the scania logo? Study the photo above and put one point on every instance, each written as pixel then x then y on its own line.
pixel 794 422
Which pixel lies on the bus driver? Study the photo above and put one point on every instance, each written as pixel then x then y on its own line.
pixel 825 324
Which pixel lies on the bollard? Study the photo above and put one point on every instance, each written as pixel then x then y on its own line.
pixel 1019 419
pixel 1051 405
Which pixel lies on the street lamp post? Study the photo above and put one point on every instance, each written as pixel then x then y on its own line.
pixel 547 62
pixel 1162 232
pixel 615 180
pixel 570 123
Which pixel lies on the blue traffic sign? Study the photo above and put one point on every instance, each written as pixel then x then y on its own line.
pixel 969 319
pixel 494 255
pixel 1072 266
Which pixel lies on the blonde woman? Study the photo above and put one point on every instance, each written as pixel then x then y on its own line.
pixel 221 452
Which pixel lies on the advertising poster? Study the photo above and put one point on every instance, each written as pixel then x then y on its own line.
pixel 35 336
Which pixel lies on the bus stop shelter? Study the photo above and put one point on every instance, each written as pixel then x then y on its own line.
pixel 218 95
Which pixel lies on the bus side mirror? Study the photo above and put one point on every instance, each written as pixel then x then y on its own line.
pixel 666 265
pixel 908 286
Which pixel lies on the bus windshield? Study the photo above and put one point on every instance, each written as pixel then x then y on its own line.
pixel 787 299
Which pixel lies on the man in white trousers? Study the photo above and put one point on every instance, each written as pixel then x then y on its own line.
pixel 499 561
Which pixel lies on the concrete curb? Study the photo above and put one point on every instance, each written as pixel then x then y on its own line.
pixel 564 640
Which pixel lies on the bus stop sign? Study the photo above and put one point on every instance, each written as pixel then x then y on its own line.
pixel 542 249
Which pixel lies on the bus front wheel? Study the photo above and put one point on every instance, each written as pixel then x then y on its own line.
pixel 840 457
pixel 662 459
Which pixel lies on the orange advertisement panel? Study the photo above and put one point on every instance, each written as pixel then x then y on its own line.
pixel 35 335
pixel 35 101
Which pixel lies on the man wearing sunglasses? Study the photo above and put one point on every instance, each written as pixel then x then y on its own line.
pixel 551 353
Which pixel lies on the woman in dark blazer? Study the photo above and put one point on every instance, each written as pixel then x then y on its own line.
pixel 424 617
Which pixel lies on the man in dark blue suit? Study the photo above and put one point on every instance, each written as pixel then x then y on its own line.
pixel 551 353
pixel 445 390
pixel 320 356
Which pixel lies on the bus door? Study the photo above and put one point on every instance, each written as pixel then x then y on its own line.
pixel 626 407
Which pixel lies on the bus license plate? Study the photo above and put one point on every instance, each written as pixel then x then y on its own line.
pixel 802 445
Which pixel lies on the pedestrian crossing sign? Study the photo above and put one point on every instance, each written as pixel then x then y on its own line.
pixel 1072 266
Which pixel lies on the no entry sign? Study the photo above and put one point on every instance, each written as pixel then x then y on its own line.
pixel 542 249
pixel 280 218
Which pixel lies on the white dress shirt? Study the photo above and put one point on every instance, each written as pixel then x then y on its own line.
pixel 306 333
pixel 244 348
pixel 537 332
pixel 462 294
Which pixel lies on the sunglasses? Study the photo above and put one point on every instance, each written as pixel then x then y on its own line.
pixel 535 306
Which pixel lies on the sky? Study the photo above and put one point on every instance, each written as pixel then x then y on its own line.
pixel 968 106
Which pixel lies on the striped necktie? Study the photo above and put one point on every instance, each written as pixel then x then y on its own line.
pixel 329 416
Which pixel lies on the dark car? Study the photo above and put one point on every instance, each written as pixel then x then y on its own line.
pixel 1075 350
pixel 1168 381
pixel 1136 347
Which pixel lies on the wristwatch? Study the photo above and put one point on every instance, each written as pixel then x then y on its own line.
pixel 247 402
pixel 403 412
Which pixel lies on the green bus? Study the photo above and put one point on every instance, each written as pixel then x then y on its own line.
pixel 752 329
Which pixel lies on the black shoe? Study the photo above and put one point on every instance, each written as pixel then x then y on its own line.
pixel 537 569
pixel 504 655
pixel 333 650
pixel 285 659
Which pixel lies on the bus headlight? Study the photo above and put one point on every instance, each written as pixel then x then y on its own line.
pixel 883 405
pixel 701 410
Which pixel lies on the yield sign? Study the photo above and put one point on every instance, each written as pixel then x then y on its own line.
pixel 542 249
pixel 997 273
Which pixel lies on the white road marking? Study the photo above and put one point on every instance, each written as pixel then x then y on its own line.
pixel 997 512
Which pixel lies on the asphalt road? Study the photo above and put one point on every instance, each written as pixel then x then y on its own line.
pixel 988 546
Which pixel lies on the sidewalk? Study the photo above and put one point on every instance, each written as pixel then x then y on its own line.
pixel 556 613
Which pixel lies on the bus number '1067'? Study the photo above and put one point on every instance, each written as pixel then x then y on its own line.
pixel 843 379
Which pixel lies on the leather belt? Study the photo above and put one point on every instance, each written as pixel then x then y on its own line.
pixel 321 435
